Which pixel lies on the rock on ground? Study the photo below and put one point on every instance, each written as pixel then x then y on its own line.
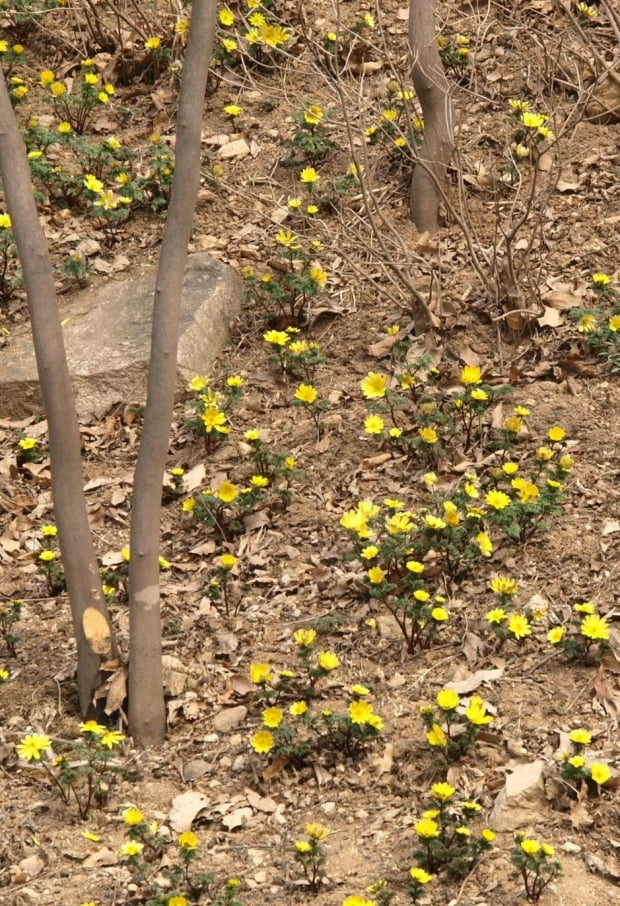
pixel 107 339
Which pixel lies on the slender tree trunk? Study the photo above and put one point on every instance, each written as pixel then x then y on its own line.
pixel 146 701
pixel 78 556
pixel 432 89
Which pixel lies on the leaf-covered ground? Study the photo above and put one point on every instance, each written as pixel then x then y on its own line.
pixel 295 568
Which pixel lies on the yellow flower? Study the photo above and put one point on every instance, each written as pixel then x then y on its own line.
pixel 317 831
pixel 177 901
pixel 90 78
pixel 272 717
pixel 227 492
pixel 601 279
pixel 428 435
pixel 152 43
pixel 47 77
pixel 399 523
pixel 302 846
pixel 373 424
pixel 133 816
pixel 497 500
pixel 111 738
pixel 227 561
pixel 528 492
pixel 580 736
pixel 188 841
pixel 132 848
pixel 260 673
pixel 484 544
pixel 513 424
pixel 470 375
pixel 555 635
pixel 374 385
pixel 309 175
pixel 360 712
pixel 590 12
pixel 47 556
pixel 519 626
pixel 57 89
pixel 197 383
pixel 600 773
pixel 419 875
pixel 262 741
pixel 306 393
pixel 305 637
pixel 92 183
pixel 436 736
pixel 276 337
pixel 226 17
pixel 439 614
pixel 313 115
pixel 233 110
pixel 359 690
pixel 32 745
pixel 530 847
pixel 5 224
pixel 556 434
pixel 476 713
pixel 298 708
pixel 614 323
pixel 595 627
pixel 376 575
pixel 328 660
pixel 442 791
pixel 533 120
pixel 316 273
pixel 369 20
pixel 448 700
pixel 502 585
pixel 426 828
pixel 519 105
pixel 273 35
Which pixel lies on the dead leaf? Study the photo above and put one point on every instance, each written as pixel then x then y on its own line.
pixel 238 148
pixel 261 803
pixel 608 696
pixel 610 527
pixel 382 347
pixel 238 818
pixel 97 631
pixel 185 808
pixel 579 816
pixel 117 691
pixel 102 856
pixel 275 767
pixel 386 762
pixel 365 68
pixel 562 300
pixel 475 679
pixel 549 318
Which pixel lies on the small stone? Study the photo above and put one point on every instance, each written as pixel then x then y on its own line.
pixel 229 718
pixel 569 847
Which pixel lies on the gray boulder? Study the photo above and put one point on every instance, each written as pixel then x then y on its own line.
pixel 107 339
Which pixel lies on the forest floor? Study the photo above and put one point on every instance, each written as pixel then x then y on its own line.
pixel 296 568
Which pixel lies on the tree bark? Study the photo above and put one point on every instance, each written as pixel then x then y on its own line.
pixel 432 89
pixel 78 555
pixel 146 701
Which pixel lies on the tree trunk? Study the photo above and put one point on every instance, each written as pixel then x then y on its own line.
pixel 146 701
pixel 431 86
pixel 78 556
